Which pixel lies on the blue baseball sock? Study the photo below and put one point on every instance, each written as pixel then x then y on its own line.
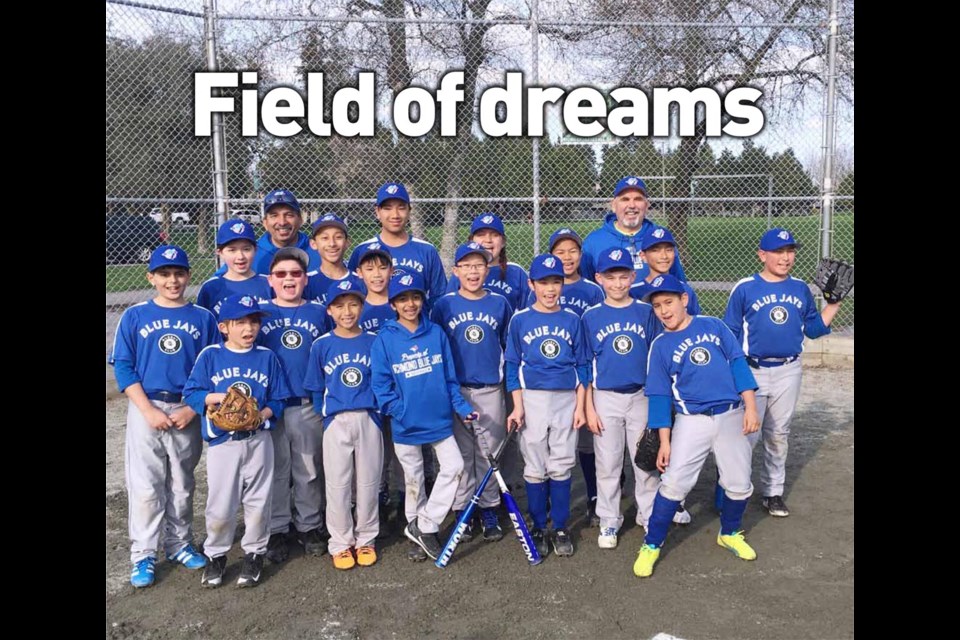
pixel 718 497
pixel 660 519
pixel 537 503
pixel 732 515
pixel 588 465
pixel 560 502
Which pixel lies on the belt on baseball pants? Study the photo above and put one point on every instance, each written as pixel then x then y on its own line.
pixel 767 363
pixel 471 385
pixel 719 409
pixel 241 435
pixel 296 402
pixel 165 396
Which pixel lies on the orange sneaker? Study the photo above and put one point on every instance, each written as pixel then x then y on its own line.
pixel 344 560
pixel 366 555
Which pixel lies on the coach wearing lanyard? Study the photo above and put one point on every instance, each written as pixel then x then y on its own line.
pixel 624 228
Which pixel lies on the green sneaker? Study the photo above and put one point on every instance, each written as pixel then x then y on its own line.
pixel 646 558
pixel 738 545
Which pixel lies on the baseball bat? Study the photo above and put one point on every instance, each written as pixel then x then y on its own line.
pixel 461 526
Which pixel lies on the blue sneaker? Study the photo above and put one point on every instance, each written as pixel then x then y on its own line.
pixel 143 573
pixel 189 557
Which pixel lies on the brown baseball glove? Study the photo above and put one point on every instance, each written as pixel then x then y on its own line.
pixel 237 412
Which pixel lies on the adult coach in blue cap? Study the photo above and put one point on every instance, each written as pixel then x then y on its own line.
pixel 624 228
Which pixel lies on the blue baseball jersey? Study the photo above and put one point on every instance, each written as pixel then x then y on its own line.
pixel 577 296
pixel 692 366
pixel 289 332
pixel 618 339
pixel 640 289
pixel 318 283
pixel 415 255
pixel 546 348
pixel 338 376
pixel 373 316
pixel 213 291
pixel 515 286
pixel 769 319
pixel 157 346
pixel 256 371
pixel 477 330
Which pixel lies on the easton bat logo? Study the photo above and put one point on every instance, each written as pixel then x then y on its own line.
pixel 523 541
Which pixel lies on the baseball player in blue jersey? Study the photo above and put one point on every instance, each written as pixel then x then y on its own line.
pixel 375 268
pixel 546 360
pixel 236 246
pixel 330 239
pixel 291 326
pixel 154 349
pixel 769 313
pixel 618 333
pixel 509 279
pixel 475 321
pixel 339 377
pixel 697 367
pixel 624 228
pixel 239 463
pixel 578 295
pixel 659 251
pixel 410 254
pixel 415 383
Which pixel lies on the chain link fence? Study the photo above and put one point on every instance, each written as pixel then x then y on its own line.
pixel 717 195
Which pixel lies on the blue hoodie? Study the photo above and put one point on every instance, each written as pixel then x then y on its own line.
pixel 415 382
pixel 607 237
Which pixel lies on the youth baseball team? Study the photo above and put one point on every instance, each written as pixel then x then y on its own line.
pixel 380 383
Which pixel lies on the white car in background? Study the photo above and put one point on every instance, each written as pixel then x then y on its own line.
pixel 176 217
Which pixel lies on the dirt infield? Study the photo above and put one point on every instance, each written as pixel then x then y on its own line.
pixel 801 585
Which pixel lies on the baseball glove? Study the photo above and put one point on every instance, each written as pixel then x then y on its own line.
pixel 648 447
pixel 834 278
pixel 237 412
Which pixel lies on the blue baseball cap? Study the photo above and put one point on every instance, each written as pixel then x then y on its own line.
pixel 614 258
pixel 343 287
pixel 469 249
pixel 329 220
pixel 629 182
pixel 373 249
pixel 280 196
pixel 657 235
pixel 565 234
pixel 776 238
pixel 544 266
pixel 487 221
pixel 392 190
pixel 663 284
pixel 404 283
pixel 168 255
pixel 235 229
pixel 240 305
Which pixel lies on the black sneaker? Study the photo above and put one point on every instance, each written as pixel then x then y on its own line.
pixel 776 506
pixel 592 516
pixel 562 544
pixel 312 542
pixel 540 541
pixel 213 572
pixel 277 549
pixel 416 553
pixel 468 532
pixel 251 570
pixel 491 525
pixel 427 541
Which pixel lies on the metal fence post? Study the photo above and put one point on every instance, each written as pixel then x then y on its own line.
pixel 219 142
pixel 535 140
pixel 829 142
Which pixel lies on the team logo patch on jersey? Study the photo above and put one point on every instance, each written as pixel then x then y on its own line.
pixel 169 343
pixel 700 356
pixel 291 339
pixel 242 387
pixel 778 315
pixel 623 344
pixel 473 334
pixel 351 377
pixel 392 189
pixel 550 348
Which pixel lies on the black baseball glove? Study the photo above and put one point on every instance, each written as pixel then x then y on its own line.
pixel 648 447
pixel 834 278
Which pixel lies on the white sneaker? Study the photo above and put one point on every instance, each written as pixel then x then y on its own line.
pixel 682 516
pixel 607 538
